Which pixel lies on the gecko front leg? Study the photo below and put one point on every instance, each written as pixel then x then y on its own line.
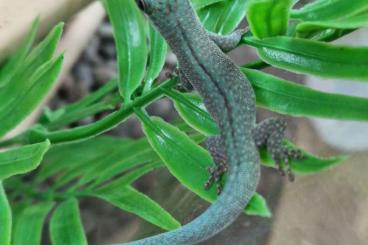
pixel 227 42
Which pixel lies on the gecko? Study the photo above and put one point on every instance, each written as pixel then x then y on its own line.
pixel 230 99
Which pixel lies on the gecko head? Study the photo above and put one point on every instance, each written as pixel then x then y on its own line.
pixel 164 13
pixel 155 8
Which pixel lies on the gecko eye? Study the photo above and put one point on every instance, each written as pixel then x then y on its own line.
pixel 141 5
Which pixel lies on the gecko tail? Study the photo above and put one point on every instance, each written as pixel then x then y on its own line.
pixel 236 194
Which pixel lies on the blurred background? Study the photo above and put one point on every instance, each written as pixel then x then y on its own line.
pixel 329 208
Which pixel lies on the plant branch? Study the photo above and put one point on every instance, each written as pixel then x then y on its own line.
pixel 39 133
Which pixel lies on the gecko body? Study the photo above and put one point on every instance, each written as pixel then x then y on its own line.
pixel 229 98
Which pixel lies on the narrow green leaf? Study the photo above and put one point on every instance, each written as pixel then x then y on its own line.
pixel 81 160
pixel 157 57
pixel 5 218
pixel 258 206
pixel 232 16
pixel 130 38
pixel 44 51
pixel 59 158
pixel 66 118
pixel 310 164
pixel 223 17
pixel 329 35
pixel 27 99
pixel 39 55
pixel 38 133
pixel 129 199
pixel 22 160
pixel 137 173
pixel 210 16
pixel 199 4
pixel 14 63
pixel 116 164
pixel 146 155
pixel 133 175
pixel 48 115
pixel 268 18
pixel 66 226
pixel 107 164
pixel 186 160
pixel 312 57
pixel 92 98
pixel 28 225
pixel 329 9
pixel 191 108
pixel 293 99
pixel 350 22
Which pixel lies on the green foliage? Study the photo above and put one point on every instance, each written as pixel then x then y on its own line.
pixel 29 80
pixel 223 17
pixel 312 57
pixel 21 160
pixel 5 218
pixel 127 198
pixel 258 206
pixel 292 39
pixel 290 98
pixel 187 161
pixel 329 10
pixel 28 224
pixel 157 57
pixel 66 226
pixel 191 108
pixel 274 14
pixel 345 22
pixel 131 45
pixel 199 4
pixel 11 67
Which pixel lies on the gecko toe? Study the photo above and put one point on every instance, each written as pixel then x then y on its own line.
pixel 215 177
pixel 282 157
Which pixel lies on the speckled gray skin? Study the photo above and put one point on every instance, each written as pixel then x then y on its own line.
pixel 230 99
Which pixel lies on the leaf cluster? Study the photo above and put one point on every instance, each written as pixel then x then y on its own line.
pixel 76 163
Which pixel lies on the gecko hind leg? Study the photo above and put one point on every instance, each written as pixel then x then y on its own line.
pixel 215 146
pixel 271 133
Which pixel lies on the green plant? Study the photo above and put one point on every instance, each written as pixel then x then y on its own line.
pixel 294 40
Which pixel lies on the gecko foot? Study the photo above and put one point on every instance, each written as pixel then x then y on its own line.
pixel 282 156
pixel 270 133
pixel 215 146
pixel 216 174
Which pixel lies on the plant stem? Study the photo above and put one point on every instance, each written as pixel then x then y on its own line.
pixel 36 134
pixel 99 127
pixel 81 113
